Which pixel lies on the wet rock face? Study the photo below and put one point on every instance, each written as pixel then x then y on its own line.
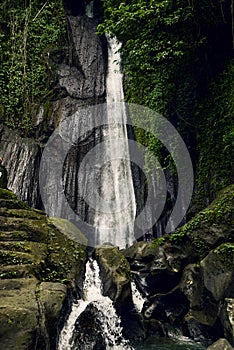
pixel 89 334
pixel 21 157
pixel 165 309
pixel 81 74
pixel 217 277
pixel 85 77
pixel 160 268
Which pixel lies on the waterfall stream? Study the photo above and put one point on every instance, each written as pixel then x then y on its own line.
pixel 116 225
pixel 110 322
pixel 138 299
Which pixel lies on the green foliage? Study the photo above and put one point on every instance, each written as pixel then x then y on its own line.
pixel 63 256
pixel 226 254
pixel 198 234
pixel 157 242
pixel 176 58
pixel 216 136
pixel 30 31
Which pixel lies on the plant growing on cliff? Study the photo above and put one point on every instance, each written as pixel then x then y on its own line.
pixel 30 30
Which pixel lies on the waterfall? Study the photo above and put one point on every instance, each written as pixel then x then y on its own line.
pixel 116 225
pixel 110 322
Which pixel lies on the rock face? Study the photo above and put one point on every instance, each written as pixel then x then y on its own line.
pixel 85 79
pixel 21 156
pixel 79 82
pixel 40 266
pixel 187 276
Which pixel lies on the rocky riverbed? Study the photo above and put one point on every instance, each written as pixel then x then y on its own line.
pixel 186 278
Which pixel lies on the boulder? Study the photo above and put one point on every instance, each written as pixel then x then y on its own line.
pixel 216 275
pixel 19 316
pixel 221 344
pixel 159 265
pixel 202 305
pixel 169 308
pixel 196 327
pixel 89 332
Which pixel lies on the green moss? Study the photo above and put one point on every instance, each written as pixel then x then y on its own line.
pixel 13 236
pixel 178 237
pixel 219 212
pixel 21 213
pixel 157 242
pixel 29 238
pixel 15 258
pixel 208 228
pixel 114 262
pixel 63 256
pixel 24 247
pixel 6 194
pixel 226 254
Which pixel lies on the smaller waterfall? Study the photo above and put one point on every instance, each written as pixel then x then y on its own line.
pixel 112 330
pixel 138 299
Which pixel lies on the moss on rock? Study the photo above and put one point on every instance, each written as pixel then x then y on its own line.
pixel 38 265
pixel 209 228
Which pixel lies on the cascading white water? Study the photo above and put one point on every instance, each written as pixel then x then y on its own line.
pixel 138 299
pixel 116 186
pixel 110 321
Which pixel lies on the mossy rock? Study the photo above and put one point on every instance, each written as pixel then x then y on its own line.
pixel 6 194
pixel 9 200
pixel 19 314
pixel 216 275
pixel 15 236
pixel 19 271
pixel 37 230
pixel 70 230
pixel 115 270
pixel 209 228
pixel 225 253
pixel 21 213
pixel 39 264
pixel 12 204
pixel 221 344
pixel 51 298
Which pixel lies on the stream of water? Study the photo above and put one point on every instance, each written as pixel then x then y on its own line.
pixel 116 223
pixel 110 322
